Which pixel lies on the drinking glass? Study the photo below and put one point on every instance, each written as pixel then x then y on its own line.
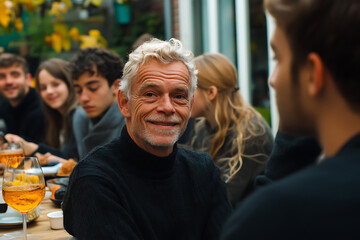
pixel 23 185
pixel 8 150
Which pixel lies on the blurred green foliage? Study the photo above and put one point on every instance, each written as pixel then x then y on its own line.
pixel 125 35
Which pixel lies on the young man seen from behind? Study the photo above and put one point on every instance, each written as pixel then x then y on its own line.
pixel 317 82
pixel 96 74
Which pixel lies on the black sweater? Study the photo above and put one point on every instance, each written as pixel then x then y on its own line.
pixel 120 191
pixel 27 119
pixel 305 200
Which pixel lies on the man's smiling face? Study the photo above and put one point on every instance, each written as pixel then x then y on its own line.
pixel 159 106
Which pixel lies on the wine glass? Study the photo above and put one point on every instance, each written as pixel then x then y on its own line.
pixel 23 185
pixel 8 150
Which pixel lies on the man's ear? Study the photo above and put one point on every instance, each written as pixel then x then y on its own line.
pixel 212 92
pixel 115 86
pixel 123 104
pixel 29 80
pixel 317 80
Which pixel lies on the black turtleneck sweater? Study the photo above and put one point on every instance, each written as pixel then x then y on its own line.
pixel 27 119
pixel 120 191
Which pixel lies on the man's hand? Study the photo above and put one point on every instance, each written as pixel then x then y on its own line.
pixel 29 147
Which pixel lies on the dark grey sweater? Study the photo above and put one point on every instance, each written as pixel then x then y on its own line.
pixel 256 151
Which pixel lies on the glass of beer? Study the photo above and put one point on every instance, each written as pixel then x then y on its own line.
pixel 8 150
pixel 23 186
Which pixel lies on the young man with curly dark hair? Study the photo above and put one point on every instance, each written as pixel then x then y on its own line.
pixel 96 74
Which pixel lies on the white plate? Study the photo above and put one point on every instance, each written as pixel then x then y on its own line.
pixel 48 171
pixel 14 218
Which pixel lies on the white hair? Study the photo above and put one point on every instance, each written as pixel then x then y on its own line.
pixel 164 51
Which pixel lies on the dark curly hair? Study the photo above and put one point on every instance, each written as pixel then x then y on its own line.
pixel 108 64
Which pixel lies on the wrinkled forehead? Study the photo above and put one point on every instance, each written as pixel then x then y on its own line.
pixel 155 69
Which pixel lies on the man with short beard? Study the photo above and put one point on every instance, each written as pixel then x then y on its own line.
pixel 142 185
pixel 309 195
pixel 21 105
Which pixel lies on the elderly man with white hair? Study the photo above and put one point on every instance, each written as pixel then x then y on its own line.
pixel 141 185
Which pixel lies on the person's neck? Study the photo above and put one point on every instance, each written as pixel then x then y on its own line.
pixel 157 151
pixel 337 128
pixel 16 102
pixel 95 120
pixel 210 117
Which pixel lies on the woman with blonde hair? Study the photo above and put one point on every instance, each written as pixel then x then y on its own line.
pixel 231 131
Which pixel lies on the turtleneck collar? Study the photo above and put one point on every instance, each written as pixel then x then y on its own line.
pixel 143 163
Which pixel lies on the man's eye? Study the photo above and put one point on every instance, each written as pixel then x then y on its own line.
pixel 179 97
pixel 93 89
pixel 77 90
pixel 15 74
pixel 149 94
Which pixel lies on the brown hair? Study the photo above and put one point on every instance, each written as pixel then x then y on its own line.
pixel 9 59
pixel 56 122
pixel 327 28
pixel 231 112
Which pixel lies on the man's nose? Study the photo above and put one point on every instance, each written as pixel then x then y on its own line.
pixel 84 96
pixel 166 105
pixel 272 78
pixel 9 80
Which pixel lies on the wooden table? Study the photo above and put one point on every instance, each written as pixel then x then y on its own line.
pixel 40 229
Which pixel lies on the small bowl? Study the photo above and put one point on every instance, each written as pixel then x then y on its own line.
pixel 51 183
pixel 56 220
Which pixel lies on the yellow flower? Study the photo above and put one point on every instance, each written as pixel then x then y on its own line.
pixel 5 14
pixel 19 24
pixel 56 42
pixel 66 44
pixel 74 34
pixel 94 33
pixel 88 41
pixel 94 39
pixel 54 8
pixel 58 8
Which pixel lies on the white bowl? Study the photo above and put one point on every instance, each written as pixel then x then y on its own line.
pixel 56 220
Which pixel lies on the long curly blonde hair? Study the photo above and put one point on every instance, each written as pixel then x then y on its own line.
pixel 231 112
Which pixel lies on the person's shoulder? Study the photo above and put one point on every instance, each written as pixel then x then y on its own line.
pixel 79 114
pixel 193 157
pixel 97 163
pixel 314 183
pixel 196 161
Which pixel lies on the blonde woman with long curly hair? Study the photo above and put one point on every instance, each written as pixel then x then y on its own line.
pixel 231 131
